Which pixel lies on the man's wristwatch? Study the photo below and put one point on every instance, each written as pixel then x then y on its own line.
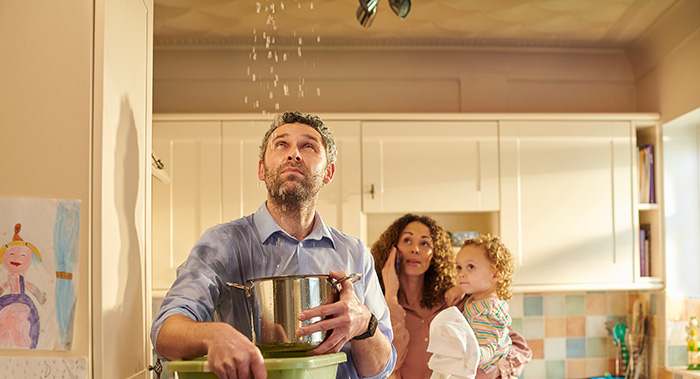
pixel 371 328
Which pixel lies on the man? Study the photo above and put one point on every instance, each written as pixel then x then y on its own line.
pixel 286 236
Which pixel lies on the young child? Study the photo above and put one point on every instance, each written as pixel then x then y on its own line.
pixel 485 272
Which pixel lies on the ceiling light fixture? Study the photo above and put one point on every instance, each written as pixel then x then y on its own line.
pixel 366 12
pixel 400 7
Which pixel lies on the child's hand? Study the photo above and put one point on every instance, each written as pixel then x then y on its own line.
pixel 389 276
pixel 454 295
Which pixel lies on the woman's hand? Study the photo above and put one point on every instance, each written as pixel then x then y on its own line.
pixel 453 295
pixel 390 278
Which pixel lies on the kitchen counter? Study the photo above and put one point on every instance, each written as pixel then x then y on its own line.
pixel 684 372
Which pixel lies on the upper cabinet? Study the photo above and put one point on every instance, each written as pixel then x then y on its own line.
pixel 430 166
pixel 191 202
pixel 563 191
pixel 567 200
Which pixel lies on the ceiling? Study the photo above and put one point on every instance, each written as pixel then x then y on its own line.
pixel 430 23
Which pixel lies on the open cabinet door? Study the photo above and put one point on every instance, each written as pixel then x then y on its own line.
pixel 121 188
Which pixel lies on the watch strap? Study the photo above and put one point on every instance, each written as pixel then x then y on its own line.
pixel 371 329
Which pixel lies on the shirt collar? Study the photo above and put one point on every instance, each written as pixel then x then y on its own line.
pixel 267 226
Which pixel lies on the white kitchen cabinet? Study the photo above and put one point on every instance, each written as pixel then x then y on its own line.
pixel 430 166
pixel 566 201
pixel 191 202
pixel 339 201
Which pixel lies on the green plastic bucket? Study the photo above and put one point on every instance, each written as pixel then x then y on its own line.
pixel 279 366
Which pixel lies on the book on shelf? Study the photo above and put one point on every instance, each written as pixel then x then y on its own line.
pixel 644 250
pixel 646 174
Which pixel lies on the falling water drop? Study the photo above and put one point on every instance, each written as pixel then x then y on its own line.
pixel 271 95
pixel 254 77
pixel 258 7
pixel 318 91
pixel 248 70
pixel 282 5
pixel 277 106
pixel 269 55
pixel 311 6
pixel 284 57
pixel 300 40
pixel 257 104
pixel 245 100
pixel 299 50
pixel 286 90
pixel 272 8
pixel 318 39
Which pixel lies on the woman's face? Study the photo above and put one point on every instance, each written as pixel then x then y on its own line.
pixel 416 247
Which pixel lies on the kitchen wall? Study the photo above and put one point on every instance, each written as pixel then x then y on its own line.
pixel 568 335
pixel 659 73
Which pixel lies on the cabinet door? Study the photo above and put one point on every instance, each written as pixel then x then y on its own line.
pixel 566 206
pixel 243 193
pixel 439 166
pixel 191 202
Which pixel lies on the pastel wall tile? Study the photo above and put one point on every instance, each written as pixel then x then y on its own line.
pixel 535 369
pixel 616 303
pixel 517 325
pixel 554 327
pixel 676 332
pixel 677 355
pixel 537 347
pixel 595 303
pixel 597 367
pixel 532 306
pixel 515 305
pixel 676 308
pixel 693 308
pixel 575 368
pixel 575 326
pixel 575 305
pixel 554 305
pixel 575 348
pixel 555 348
pixel 595 326
pixel 596 347
pixel 555 369
pixel 533 327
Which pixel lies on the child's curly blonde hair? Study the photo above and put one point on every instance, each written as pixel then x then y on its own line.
pixel 501 260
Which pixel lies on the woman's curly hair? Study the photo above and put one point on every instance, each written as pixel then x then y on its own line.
pixel 440 275
pixel 501 260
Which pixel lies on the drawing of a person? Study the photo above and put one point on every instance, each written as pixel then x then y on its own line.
pixel 19 319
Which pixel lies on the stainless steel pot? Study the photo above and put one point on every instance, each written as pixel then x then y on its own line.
pixel 275 303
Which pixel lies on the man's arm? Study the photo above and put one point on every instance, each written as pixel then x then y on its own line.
pixel 229 352
pixel 350 318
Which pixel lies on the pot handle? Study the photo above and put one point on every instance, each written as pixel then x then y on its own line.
pixel 241 287
pixel 352 278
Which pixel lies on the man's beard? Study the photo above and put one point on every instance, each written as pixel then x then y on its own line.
pixel 291 195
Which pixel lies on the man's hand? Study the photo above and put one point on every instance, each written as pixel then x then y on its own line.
pixel 347 318
pixel 231 355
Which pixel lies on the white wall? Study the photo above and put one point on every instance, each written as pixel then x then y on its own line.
pixel 45 122
pixel 395 80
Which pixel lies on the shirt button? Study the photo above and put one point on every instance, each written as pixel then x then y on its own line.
pixel 301 244
pixel 426 340
pixel 422 321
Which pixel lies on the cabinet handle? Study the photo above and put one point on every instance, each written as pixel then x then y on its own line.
pixel 371 191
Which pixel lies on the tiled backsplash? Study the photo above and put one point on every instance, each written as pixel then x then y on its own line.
pixel 568 336
pixel 679 309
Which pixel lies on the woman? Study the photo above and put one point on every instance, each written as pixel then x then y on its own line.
pixel 423 286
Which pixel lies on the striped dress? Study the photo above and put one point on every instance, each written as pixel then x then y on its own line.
pixel 490 321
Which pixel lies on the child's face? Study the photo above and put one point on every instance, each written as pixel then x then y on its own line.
pixel 475 275
pixel 17 258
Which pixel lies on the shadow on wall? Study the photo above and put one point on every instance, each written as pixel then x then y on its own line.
pixel 127 172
